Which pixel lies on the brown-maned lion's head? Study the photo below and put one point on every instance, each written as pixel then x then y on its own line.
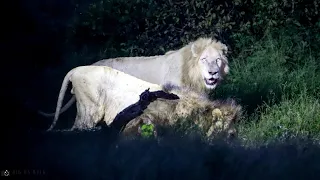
pixel 205 63
pixel 225 116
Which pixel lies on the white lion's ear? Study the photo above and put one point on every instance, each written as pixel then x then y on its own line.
pixel 224 48
pixel 226 69
pixel 194 50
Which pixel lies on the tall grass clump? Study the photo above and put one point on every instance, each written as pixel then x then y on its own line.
pixel 277 80
pixel 292 118
pixel 257 73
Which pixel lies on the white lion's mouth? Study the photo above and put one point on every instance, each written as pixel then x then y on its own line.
pixel 211 81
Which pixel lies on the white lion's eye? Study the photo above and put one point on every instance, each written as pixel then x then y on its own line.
pixel 204 59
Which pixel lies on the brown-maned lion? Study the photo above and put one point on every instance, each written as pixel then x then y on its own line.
pixel 210 116
pixel 200 65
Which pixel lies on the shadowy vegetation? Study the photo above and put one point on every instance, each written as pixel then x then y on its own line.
pixel 165 25
pixel 278 83
pixel 97 155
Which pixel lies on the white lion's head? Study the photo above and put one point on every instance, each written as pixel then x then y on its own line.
pixel 207 63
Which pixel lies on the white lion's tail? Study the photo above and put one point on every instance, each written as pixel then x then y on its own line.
pixel 63 109
pixel 63 89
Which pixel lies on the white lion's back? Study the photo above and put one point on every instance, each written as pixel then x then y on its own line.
pixel 154 69
pixel 115 90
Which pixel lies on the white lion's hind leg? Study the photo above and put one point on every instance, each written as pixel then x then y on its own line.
pixel 97 114
pixel 79 118
pixel 87 116
pixel 83 119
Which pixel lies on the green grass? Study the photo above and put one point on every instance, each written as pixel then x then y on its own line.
pixel 291 118
pixel 277 80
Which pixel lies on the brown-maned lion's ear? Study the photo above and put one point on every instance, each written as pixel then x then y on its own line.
pixel 216 112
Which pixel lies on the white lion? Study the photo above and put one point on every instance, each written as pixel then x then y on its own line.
pixel 101 93
pixel 200 65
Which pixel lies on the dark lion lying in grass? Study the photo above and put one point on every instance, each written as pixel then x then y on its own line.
pixel 210 117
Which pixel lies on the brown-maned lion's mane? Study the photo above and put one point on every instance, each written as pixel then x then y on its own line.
pixel 192 106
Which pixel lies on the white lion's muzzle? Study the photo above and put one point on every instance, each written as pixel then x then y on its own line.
pixel 211 82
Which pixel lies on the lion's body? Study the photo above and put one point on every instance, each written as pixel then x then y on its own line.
pixel 180 67
pixel 101 93
pixel 200 65
pixel 190 106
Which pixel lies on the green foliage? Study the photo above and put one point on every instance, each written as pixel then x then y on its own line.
pixel 175 23
pixel 147 130
pixel 257 77
pixel 280 63
pixel 132 27
pixel 277 81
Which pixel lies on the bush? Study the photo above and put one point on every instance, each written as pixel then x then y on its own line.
pixel 134 26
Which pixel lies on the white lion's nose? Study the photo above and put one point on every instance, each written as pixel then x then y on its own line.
pixel 212 73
